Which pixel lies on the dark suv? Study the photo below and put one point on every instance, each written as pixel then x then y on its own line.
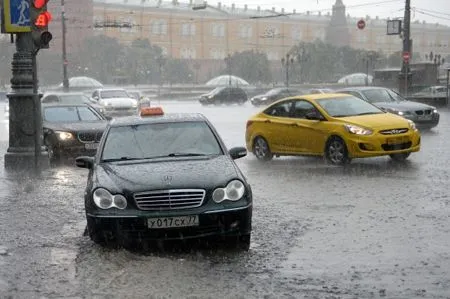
pixel 224 95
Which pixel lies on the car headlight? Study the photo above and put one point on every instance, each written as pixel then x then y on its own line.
pixel 435 111
pixel 210 97
pixel 64 135
pixel 357 130
pixel 105 200
pixel 233 192
pixel 263 98
pixel 412 125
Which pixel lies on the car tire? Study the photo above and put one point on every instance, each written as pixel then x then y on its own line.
pixel 400 157
pixel 261 149
pixel 336 151
pixel 96 234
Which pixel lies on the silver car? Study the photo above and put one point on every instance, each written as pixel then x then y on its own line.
pixel 424 116
pixel 115 102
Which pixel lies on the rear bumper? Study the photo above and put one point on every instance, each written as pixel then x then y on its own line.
pixel 223 223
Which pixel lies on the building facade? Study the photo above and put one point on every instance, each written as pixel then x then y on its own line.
pixel 215 32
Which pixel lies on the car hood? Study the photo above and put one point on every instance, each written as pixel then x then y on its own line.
pixel 404 106
pixel 377 121
pixel 77 126
pixel 119 102
pixel 129 177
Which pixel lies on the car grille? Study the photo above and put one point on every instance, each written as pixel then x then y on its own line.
pixel 169 199
pixel 88 137
pixel 395 147
pixel 394 131
pixel 424 112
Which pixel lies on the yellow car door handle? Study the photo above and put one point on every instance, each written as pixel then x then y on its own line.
pixel 267 121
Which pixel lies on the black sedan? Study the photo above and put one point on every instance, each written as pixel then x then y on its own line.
pixel 166 177
pixel 71 130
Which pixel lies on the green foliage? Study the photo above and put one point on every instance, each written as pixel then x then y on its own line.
pixel 251 66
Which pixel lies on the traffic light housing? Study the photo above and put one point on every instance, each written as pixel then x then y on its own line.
pixel 39 20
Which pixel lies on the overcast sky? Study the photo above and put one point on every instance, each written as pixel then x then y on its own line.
pixel 434 11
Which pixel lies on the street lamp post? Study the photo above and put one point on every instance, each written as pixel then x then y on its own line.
pixel 228 62
pixel 64 54
pixel 286 62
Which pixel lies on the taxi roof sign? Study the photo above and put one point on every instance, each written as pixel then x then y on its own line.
pixel 151 111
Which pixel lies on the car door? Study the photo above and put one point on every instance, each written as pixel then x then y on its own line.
pixel 309 135
pixel 275 127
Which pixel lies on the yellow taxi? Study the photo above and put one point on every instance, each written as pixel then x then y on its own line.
pixel 337 126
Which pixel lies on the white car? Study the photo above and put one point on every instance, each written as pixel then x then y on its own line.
pixel 116 102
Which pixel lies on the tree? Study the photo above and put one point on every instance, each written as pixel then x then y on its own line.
pixel 251 66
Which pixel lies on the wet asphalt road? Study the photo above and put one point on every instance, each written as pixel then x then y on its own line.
pixel 375 229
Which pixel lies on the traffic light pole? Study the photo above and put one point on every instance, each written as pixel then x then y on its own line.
pixel 64 54
pixel 25 151
pixel 403 84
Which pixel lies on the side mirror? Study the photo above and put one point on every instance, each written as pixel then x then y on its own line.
pixel 95 98
pixel 84 162
pixel 237 152
pixel 313 115
pixel 108 118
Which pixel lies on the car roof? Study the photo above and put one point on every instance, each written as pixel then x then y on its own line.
pixel 56 93
pixel 166 118
pixel 108 89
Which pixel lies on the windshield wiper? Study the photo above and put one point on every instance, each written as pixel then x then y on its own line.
pixel 120 159
pixel 185 155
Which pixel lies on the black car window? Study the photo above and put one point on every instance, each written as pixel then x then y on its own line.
pixel 146 141
pixel 70 114
pixel 301 108
pixel 280 109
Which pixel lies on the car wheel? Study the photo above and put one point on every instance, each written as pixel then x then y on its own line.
pixel 96 234
pixel 400 157
pixel 336 151
pixel 261 149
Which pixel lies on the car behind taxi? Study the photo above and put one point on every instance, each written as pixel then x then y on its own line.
pixel 339 127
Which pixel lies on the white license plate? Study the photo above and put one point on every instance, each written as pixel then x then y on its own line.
pixel 170 222
pixel 91 146
pixel 424 117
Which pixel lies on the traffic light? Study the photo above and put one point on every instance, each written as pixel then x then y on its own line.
pixel 39 19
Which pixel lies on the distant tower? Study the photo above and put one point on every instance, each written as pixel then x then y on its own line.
pixel 337 31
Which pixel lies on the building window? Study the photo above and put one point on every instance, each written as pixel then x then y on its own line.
pixel 320 34
pixel 188 29
pixel 271 32
pixel 188 53
pixel 159 27
pixel 218 30
pixel 217 54
pixel 245 31
pixel 164 51
pixel 296 34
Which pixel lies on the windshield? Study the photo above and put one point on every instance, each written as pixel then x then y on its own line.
pixel 381 96
pixel 149 141
pixel 107 94
pixel 69 114
pixel 347 106
pixel 275 91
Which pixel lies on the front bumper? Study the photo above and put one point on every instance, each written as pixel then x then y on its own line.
pixel 233 222
pixel 360 146
pixel 421 123
pixel 73 150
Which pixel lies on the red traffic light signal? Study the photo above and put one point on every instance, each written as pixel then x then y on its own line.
pixel 43 19
pixel 39 3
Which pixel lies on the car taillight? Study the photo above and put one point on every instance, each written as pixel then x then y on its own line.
pixel 249 123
